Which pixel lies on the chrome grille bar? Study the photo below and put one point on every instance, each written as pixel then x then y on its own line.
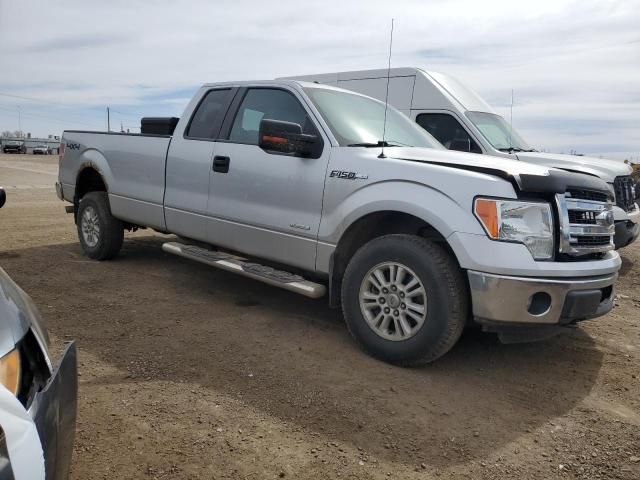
pixel 578 239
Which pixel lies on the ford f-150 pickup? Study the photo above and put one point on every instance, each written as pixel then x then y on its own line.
pixel 412 240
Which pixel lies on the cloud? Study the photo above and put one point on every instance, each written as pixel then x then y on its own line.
pixel 572 64
pixel 62 45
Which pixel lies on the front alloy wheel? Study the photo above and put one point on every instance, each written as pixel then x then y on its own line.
pixel 393 301
pixel 404 299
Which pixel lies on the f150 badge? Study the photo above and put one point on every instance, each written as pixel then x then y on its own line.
pixel 348 175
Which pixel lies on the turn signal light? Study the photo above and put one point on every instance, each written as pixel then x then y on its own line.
pixel 10 371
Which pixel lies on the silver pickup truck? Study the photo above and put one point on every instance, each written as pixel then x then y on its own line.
pixel 412 240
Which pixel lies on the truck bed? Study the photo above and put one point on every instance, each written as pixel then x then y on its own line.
pixel 134 173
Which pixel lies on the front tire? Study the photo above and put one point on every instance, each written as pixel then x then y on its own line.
pixel 404 299
pixel 100 233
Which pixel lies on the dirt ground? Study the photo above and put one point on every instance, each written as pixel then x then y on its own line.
pixel 188 372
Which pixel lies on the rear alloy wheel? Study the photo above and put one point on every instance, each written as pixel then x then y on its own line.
pixel 100 233
pixel 405 299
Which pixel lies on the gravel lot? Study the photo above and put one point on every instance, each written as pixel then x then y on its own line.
pixel 188 372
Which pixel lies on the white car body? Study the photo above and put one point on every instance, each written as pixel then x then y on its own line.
pixel 416 92
pixel 22 440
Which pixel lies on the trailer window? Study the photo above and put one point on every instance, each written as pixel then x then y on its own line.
pixel 207 118
pixel 448 131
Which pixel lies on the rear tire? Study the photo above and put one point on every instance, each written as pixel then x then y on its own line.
pixel 414 318
pixel 100 233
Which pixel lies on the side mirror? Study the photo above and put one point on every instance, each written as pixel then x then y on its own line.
pixel 287 138
pixel 460 145
pixel 3 197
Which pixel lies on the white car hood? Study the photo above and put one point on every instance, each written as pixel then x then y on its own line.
pixel 606 169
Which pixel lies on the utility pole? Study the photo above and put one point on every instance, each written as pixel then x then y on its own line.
pixel 108 120
pixel 19 119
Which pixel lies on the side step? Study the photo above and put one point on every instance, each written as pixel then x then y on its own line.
pixel 241 266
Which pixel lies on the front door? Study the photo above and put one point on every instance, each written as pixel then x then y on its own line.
pixel 266 204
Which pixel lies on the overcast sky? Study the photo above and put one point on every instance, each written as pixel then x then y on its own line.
pixel 574 65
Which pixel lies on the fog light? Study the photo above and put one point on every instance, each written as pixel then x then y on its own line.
pixel 539 303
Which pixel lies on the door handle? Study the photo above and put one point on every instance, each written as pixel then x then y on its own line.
pixel 221 164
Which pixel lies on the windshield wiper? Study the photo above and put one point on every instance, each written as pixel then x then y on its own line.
pixel 515 149
pixel 380 143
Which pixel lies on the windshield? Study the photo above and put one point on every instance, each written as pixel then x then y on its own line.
pixel 356 120
pixel 498 132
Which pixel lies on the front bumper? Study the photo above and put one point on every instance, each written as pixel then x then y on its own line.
pixel 508 300
pixel 626 233
pixel 54 411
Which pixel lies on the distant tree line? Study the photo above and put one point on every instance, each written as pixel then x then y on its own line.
pixel 15 134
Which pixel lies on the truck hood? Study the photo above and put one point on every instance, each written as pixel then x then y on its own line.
pixel 606 169
pixel 17 315
pixel 469 161
pixel 528 176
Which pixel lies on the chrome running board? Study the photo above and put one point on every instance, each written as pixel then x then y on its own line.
pixel 241 266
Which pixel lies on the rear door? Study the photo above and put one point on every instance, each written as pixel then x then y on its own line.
pixel 188 164
pixel 260 203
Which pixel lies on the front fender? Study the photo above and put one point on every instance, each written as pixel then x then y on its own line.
pixel 435 207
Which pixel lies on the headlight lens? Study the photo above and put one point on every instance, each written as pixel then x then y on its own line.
pixel 530 223
pixel 10 371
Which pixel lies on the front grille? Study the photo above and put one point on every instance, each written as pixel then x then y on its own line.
pixel 586 222
pixel 593 240
pixel 625 194
pixel 587 195
pixel 582 218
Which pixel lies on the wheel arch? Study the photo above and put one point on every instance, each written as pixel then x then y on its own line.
pixel 373 225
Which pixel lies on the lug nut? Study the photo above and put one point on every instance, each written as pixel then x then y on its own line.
pixel 401 294
pixel 387 310
pixel 394 288
pixel 385 290
pixel 403 306
pixel 382 300
pixel 396 313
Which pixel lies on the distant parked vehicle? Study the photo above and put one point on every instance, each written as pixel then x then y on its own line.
pixel 14 146
pixel 41 150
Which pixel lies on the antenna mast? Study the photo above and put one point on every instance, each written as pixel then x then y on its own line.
pixel 511 123
pixel 386 98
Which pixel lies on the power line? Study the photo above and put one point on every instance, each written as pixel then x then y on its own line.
pixel 45 117
pixel 33 99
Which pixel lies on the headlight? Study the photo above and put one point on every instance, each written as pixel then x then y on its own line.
pixel 530 223
pixel 10 371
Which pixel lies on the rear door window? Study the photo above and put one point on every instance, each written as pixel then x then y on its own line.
pixel 207 119
pixel 448 131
